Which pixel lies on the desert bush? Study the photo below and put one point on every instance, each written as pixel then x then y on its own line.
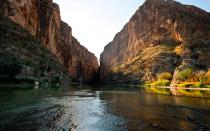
pixel 162 79
pixel 164 76
pixel 185 74
pixel 206 78
pixel 161 83
pixel 147 83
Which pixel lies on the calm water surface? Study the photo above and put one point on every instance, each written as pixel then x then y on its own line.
pixel 100 110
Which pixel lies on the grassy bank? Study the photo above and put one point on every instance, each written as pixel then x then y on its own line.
pixel 184 78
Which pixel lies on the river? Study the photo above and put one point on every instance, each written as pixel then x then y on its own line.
pixel 83 108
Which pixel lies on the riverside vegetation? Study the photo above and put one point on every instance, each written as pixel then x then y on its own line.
pixel 187 78
pixel 159 46
pixel 164 43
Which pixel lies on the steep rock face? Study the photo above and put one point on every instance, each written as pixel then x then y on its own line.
pixel 162 36
pixel 23 59
pixel 42 19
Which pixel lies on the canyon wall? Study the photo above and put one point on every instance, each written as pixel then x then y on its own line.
pixel 162 36
pixel 42 19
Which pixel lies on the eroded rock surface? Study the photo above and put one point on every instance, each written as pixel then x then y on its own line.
pixel 25 60
pixel 42 19
pixel 162 36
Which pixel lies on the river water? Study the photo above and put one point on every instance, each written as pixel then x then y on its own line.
pixel 87 109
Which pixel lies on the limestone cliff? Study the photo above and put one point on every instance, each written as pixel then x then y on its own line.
pixel 162 36
pixel 42 19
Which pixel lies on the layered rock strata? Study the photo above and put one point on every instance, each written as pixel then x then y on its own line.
pixel 162 36
pixel 42 20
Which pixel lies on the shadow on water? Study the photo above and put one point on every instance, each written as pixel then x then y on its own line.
pixel 95 108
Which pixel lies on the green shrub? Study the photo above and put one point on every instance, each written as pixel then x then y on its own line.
pixel 164 76
pixel 162 79
pixel 197 85
pixel 161 83
pixel 147 83
pixel 206 78
pixel 185 74
pixel 207 86
pixel 198 79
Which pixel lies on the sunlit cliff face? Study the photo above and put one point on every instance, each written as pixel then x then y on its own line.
pixel 162 36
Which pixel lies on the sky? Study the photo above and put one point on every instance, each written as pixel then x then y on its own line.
pixel 95 22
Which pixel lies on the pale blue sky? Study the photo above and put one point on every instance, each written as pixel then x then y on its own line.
pixel 95 22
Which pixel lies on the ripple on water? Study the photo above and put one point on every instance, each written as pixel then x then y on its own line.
pixel 101 111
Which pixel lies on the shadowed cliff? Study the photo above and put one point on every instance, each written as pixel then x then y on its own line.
pixel 41 18
pixel 23 59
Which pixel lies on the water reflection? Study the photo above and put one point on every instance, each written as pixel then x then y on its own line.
pixel 158 111
pixel 178 92
pixel 91 110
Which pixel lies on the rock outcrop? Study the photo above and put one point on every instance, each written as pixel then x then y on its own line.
pixel 25 60
pixel 162 36
pixel 42 19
